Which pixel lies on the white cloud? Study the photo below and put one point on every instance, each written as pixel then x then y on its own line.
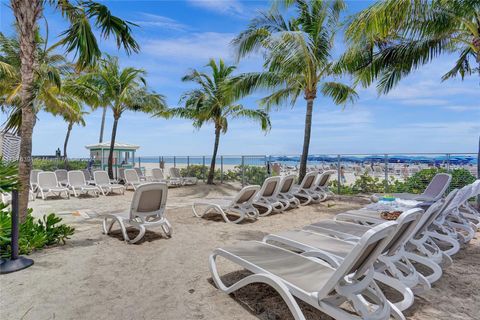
pixel 194 47
pixel 153 20
pixel 231 7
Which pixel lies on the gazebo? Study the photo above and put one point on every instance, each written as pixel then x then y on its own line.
pixel 123 155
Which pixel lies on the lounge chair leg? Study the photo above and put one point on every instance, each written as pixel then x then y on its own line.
pixel 437 270
pixel 140 235
pixel 272 281
pixel 399 287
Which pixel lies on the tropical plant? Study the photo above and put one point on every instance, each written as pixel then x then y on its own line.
pixel 215 102
pixel 298 47
pixel 48 79
pixel 73 116
pixel 79 38
pixel 33 235
pixel 121 90
pixel 54 164
pixel 392 38
pixel 8 176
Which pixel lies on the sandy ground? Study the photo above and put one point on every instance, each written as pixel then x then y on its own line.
pixel 95 276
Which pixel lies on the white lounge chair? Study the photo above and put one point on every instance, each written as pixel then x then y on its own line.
pixel 324 284
pixel 321 185
pixel 78 184
pixel 140 174
pixel 34 180
pixel 266 198
pixel 102 181
pixel 469 211
pixel 48 184
pixel 88 176
pixel 62 177
pixel 157 176
pixel 456 219
pixel 304 192
pixel 392 267
pixel 285 194
pixel 147 211
pixel 422 245
pixel 241 205
pixel 131 179
pixel 175 174
pixel 434 191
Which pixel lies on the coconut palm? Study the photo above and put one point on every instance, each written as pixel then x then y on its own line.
pixel 121 90
pixel 392 38
pixel 51 69
pixel 297 57
pixel 215 102
pixel 79 38
pixel 74 116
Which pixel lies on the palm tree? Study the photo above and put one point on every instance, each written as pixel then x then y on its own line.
pixel 75 116
pixel 392 38
pixel 121 90
pixel 78 38
pixel 51 69
pixel 215 102
pixel 297 57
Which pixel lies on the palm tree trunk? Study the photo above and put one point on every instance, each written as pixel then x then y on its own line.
pixel 102 126
pixel 26 14
pixel 112 145
pixel 306 139
pixel 65 144
pixel 211 173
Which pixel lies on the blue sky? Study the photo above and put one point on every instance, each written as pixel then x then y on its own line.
pixel 421 115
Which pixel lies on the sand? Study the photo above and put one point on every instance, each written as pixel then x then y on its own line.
pixel 95 276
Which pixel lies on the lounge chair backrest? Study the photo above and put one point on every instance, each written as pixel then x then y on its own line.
pixel 47 180
pixel 324 177
pixel 149 199
pixel 76 178
pixel 475 188
pixel 287 183
pixel 437 187
pixel 461 197
pixel 246 195
pixel 407 222
pixel 308 180
pixel 157 173
pixel 34 176
pixel 139 172
pixel 131 175
pixel 87 174
pixel 101 178
pixel 270 187
pixel 434 211
pixel 62 175
pixel 175 173
pixel 362 256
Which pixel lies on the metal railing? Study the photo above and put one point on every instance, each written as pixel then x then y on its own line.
pixel 356 173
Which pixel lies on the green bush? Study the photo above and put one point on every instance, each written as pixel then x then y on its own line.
pixel 33 234
pixel 414 184
pixel 253 174
pixel 54 164
pixel 419 181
